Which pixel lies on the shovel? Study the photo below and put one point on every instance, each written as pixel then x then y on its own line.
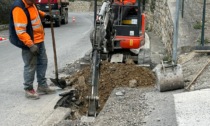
pixel 170 76
pixel 58 82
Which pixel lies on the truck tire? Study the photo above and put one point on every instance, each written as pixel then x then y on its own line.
pixel 63 21
pixel 57 23
pixel 67 18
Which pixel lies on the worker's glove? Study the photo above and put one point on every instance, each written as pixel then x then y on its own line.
pixel 34 49
pixel 48 17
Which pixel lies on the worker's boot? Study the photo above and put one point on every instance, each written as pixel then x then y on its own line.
pixel 31 94
pixel 45 90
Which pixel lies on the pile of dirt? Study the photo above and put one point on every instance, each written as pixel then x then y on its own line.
pixel 112 75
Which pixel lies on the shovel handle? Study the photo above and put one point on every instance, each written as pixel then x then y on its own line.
pixel 53 41
pixel 199 73
pixel 164 71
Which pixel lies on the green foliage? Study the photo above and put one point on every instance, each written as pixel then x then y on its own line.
pixel 167 58
pixel 198 25
pixel 206 40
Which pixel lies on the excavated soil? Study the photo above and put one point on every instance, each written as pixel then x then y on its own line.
pixel 112 75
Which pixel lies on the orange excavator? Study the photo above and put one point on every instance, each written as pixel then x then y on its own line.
pixel 116 41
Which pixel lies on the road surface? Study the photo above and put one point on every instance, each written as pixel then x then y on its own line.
pixel 72 41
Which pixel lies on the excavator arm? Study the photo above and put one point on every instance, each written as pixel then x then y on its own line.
pixel 100 37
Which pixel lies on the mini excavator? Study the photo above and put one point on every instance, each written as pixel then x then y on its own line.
pixel 116 42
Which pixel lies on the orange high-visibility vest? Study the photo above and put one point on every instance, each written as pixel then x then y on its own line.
pixel 20 23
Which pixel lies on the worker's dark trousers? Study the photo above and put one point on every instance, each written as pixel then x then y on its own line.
pixel 35 63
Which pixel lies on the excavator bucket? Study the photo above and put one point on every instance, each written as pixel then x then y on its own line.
pixel 169 77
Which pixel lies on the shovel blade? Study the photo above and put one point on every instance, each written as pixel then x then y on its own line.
pixel 61 83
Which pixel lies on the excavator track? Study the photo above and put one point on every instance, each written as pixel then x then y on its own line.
pixel 144 57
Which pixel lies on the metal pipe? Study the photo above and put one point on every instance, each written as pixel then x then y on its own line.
pixel 139 15
pixel 103 9
pixel 144 4
pixel 203 23
pixel 182 8
pixel 53 41
pixel 176 33
pixel 95 11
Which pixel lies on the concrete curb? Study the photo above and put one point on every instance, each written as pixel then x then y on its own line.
pixel 57 116
pixel 54 116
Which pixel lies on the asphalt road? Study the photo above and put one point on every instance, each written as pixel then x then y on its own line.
pixel 72 42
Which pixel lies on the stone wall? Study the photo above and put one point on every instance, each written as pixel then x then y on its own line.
pixel 163 23
pixel 83 6
pixel 161 17
pixel 160 21
pixel 80 6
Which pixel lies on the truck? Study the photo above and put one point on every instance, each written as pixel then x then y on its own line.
pixel 59 11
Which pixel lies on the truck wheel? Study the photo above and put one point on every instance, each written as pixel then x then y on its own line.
pixel 57 23
pixel 63 21
pixel 67 18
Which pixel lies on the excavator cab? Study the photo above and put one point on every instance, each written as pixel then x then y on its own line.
pixel 129 24
pixel 129 39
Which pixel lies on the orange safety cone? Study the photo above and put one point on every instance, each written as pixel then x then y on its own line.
pixel 1 39
pixel 73 19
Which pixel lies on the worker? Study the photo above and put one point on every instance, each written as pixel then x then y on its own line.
pixel 27 30
pixel 116 8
